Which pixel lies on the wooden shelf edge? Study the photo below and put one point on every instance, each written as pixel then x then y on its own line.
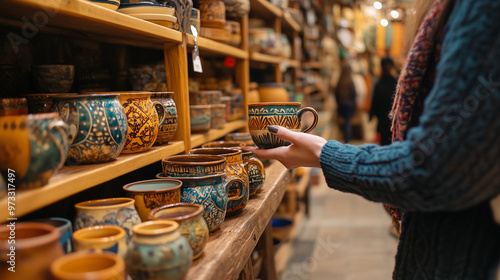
pixel 205 44
pixel 214 134
pixel 74 179
pixel 260 57
pixel 289 23
pixel 293 63
pixel 265 8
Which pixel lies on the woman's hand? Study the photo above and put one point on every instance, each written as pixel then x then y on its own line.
pixel 304 150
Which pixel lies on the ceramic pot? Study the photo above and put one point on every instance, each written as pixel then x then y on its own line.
pixel 285 114
pixel 238 192
pixel 212 13
pixel 54 78
pixel 263 40
pixel 189 216
pixel 200 118
pixel 206 97
pixel 112 211
pixel 227 101
pixel 169 127
pixel 36 247
pixel 143 120
pixel 223 144
pixel 152 194
pixel 193 166
pixel 98 126
pixel 34 146
pixel 42 102
pixel 244 137
pixel 272 92
pixel 65 231
pixel 158 251
pixel 88 266
pixel 13 106
pixel 218 118
pixel 209 191
pixel 101 239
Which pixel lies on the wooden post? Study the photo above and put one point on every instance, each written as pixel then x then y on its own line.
pixel 247 272
pixel 243 68
pixel 278 76
pixel 268 271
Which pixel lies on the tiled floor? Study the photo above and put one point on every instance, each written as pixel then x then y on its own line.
pixel 345 238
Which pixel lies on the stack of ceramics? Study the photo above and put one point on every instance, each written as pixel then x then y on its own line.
pixel 213 20
pixel 200 101
pixel 155 13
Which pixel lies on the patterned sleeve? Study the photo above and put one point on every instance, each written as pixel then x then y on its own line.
pixel 451 160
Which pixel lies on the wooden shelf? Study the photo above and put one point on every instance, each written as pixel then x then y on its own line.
pixel 265 9
pixel 214 134
pixel 229 248
pixel 214 47
pixel 260 57
pixel 74 179
pixel 313 65
pixel 293 63
pixel 289 24
pixel 92 21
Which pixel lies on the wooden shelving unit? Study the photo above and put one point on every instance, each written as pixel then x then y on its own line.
pixel 214 47
pixel 265 9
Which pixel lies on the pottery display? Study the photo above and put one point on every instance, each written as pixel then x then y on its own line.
pixel 193 166
pixel 237 111
pixel 272 92
pixel 205 97
pixel 169 127
pixel 150 78
pixel 212 13
pixel 97 123
pixel 286 114
pixel 65 231
pixel 263 40
pixel 100 239
pixel 210 191
pixel 41 102
pixel 237 8
pixel 244 137
pixel 223 144
pixel 200 118
pixel 158 251
pixel 34 146
pixel 88 266
pixel 143 120
pixel 216 34
pixel 234 29
pixel 218 118
pixel 144 7
pixel 11 80
pixel 112 211
pixel 108 4
pixel 13 106
pixel 226 100
pixel 192 226
pixel 36 247
pixel 151 194
pixel 54 78
pixel 238 192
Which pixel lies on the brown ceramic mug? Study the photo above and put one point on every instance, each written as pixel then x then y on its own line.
pixel 193 166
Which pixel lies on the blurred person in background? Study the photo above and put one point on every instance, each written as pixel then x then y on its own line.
pixel 345 95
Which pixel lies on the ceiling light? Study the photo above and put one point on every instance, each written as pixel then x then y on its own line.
pixel 377 5
pixel 394 14
pixel 384 22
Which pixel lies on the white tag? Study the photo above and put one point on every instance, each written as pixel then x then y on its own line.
pixel 196 54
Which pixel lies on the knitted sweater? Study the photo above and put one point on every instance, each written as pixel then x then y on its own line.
pixel 447 170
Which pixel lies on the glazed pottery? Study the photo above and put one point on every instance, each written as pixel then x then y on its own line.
pixel 272 92
pixel 34 146
pixel 158 251
pixel 65 231
pixel 218 118
pixel 244 137
pixel 13 106
pixel 112 211
pixel 285 114
pixel 36 247
pixel 200 118
pixel 263 40
pixel 212 13
pixel 193 166
pixel 205 97
pixel 100 239
pixel 223 144
pixel 209 191
pixel 97 124
pixel 238 192
pixel 88 266
pixel 234 29
pixel 189 216
pixel 54 78
pixel 227 101
pixel 143 120
pixel 108 4
pixel 41 102
pixel 152 194
pixel 169 127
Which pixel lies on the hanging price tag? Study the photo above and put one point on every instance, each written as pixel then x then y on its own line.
pixel 196 55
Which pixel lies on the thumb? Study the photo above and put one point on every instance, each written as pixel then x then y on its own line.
pixel 282 133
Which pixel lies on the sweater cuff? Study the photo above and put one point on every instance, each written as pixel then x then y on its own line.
pixel 336 161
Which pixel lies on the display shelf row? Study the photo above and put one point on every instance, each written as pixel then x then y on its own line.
pixel 70 180
pixel 265 58
pixel 267 10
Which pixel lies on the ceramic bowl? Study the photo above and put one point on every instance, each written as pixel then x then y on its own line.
pixel 88 265
pixel 65 230
pixel 200 118
pixel 151 194
pixel 42 102
pixel 281 228
pixel 193 166
pixel 223 144
pixel 169 127
pixel 13 106
pixel 212 13
pixel 273 92
pixel 34 146
pixel 107 238
pixel 54 78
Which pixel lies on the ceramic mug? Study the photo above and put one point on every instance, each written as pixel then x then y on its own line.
pixel 218 118
pixel 285 114
pixel 193 166
pixel 65 231
pixel 98 126
pixel 143 120
pixel 169 127
pixel 151 194
pixel 34 146
pixel 88 266
pixel 13 106
pixel 201 116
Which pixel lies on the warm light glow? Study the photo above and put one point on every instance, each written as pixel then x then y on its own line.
pixel 377 5
pixel 394 14
pixel 384 22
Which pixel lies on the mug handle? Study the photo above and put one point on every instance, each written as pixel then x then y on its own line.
pixel 240 191
pixel 260 167
pixel 315 115
pixel 160 109
pixel 59 125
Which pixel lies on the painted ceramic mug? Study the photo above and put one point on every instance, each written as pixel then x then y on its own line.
pixel 201 118
pixel 100 239
pixel 33 146
pixel 13 106
pixel 193 166
pixel 65 231
pixel 191 223
pixel 42 102
pixel 98 126
pixel 143 120
pixel 88 265
pixel 285 114
pixel 151 194
pixel 169 127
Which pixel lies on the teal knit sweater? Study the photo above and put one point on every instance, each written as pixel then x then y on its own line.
pixel 448 168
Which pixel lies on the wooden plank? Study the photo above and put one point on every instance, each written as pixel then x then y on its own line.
pixel 268 265
pixel 313 65
pixel 243 68
pixel 208 46
pixel 247 272
pixel 289 24
pixel 74 179
pixel 214 134
pixel 293 63
pixel 260 57
pixel 87 19
pixel 229 248
pixel 264 9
